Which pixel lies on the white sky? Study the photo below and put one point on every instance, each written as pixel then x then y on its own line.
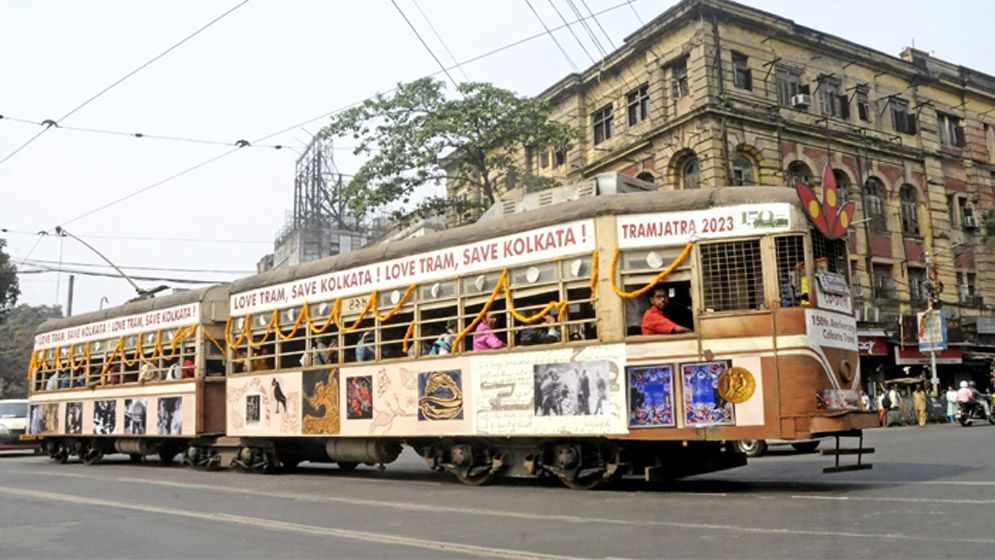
pixel 269 65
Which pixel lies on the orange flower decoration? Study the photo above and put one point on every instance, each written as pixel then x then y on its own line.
pixel 827 215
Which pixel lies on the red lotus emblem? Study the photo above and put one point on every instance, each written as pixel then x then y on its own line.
pixel 826 215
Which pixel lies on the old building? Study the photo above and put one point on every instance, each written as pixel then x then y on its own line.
pixel 713 93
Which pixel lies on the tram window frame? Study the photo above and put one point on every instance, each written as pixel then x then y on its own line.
pixel 796 293
pixel 352 338
pixel 471 307
pixel 433 317
pixel 639 267
pixel 721 298
pixel 291 351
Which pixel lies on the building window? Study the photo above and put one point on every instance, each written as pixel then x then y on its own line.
pixel 901 119
pixel 741 75
pixel 950 129
pixel 646 176
pixel 789 84
pixel 884 284
pixel 679 79
pixel 965 212
pixel 831 102
pixel 638 102
pixel 842 184
pixel 989 137
pixel 917 285
pixel 909 210
pixel 544 158
pixel 559 158
pixel 797 170
pixel 603 124
pixel 742 170
pixel 874 205
pixel 691 172
pixel 732 276
pixel 966 288
pixel 863 104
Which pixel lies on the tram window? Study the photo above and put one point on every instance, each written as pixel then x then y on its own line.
pixel 292 350
pixel 361 344
pixel 261 359
pixel 676 301
pixel 791 277
pixel 832 250
pixel 543 331
pixel 499 328
pixel 732 276
pixel 291 353
pixel 392 337
pixel 437 328
pixel 580 319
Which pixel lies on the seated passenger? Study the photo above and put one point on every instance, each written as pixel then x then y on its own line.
pixel 655 321
pixel 147 373
pixel 365 351
pixel 53 382
pixel 113 375
pixel 484 337
pixel 444 343
pixel 546 334
pixel 188 368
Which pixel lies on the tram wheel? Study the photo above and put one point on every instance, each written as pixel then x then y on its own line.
pixel 806 446
pixel 58 453
pixel 586 483
pixel 91 456
pixel 479 479
pixel 347 466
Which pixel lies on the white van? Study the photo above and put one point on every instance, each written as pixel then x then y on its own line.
pixel 13 423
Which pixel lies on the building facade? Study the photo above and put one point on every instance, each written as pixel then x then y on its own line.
pixel 716 94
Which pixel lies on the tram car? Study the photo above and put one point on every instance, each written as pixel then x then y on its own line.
pixel 145 378
pixel 633 333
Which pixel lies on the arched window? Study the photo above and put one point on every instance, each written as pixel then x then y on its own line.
pixel 691 172
pixel 909 201
pixel 742 170
pixel 842 185
pixel 874 196
pixel 646 176
pixel 798 170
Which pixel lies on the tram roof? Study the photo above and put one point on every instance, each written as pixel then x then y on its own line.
pixel 199 295
pixel 587 207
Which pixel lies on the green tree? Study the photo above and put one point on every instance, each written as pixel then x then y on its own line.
pixel 416 137
pixel 9 290
pixel 17 338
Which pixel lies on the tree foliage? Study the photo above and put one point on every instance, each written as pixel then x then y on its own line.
pixel 17 337
pixel 9 290
pixel 417 137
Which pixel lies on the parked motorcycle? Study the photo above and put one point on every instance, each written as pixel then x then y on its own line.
pixel 970 411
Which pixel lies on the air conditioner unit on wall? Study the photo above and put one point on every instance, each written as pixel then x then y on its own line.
pixel 801 101
pixel 970 222
pixel 870 314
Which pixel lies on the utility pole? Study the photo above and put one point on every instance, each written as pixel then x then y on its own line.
pixel 933 288
pixel 69 297
pixel 142 293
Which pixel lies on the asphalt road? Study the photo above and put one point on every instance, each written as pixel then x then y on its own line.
pixel 931 494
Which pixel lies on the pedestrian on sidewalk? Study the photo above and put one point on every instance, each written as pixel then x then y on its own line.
pixel 919 404
pixel 952 408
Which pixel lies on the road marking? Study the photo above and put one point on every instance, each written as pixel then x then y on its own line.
pixel 520 515
pixel 273 525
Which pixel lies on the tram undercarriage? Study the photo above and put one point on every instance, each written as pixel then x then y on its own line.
pixel 579 463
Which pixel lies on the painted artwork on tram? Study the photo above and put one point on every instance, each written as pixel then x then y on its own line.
pixel 651 396
pixel 74 417
pixel 703 406
pixel 321 401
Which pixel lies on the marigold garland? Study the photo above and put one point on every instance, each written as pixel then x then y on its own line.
pixel 362 315
pixel 594 275
pixel 483 311
pixel 315 330
pixel 396 308
pixel 407 337
pixel 663 274
pixel 211 339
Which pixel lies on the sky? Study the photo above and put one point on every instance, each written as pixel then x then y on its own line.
pixel 270 72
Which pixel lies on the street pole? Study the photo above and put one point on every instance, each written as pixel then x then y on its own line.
pixel 936 379
pixel 69 298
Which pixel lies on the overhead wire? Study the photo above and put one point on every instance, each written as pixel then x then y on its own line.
pixel 424 44
pixel 144 238
pixel 548 31
pixel 440 39
pixel 45 270
pixel 120 80
pixel 598 22
pixel 43 262
pixel 553 37
pixel 571 30
pixel 587 29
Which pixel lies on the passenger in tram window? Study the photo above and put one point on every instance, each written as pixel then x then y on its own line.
pixel 444 343
pixel 188 368
pixel 484 337
pixel 240 363
pixel 365 350
pixel 64 380
pixel 113 375
pixel 173 372
pixel 53 382
pixel 548 333
pixel 147 373
pixel 655 321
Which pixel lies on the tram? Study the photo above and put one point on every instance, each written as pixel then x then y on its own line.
pixel 516 346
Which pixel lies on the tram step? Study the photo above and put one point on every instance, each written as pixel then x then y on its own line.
pixel 846 468
pixel 849 451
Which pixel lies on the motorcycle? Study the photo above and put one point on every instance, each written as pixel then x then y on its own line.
pixel 970 411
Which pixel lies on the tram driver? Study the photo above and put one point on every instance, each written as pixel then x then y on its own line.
pixel 655 319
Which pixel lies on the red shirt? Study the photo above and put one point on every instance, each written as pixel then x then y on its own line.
pixel 187 368
pixel 655 322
